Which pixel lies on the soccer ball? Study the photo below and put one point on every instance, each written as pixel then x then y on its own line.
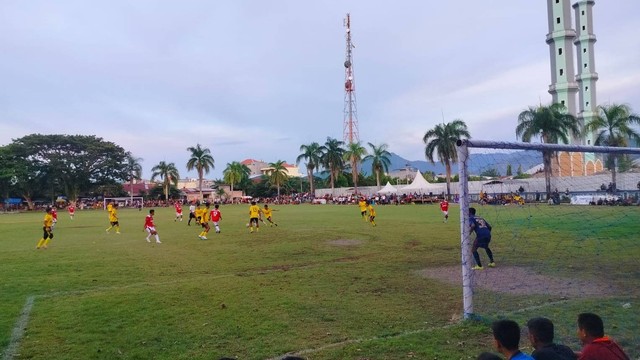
pixel 248 224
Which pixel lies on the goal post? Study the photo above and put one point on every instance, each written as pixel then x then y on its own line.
pixel 466 197
pixel 129 201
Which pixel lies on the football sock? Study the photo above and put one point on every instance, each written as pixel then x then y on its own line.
pixel 40 243
pixel 157 238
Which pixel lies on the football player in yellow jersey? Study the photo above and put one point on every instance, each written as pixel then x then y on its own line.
pixel 363 208
pixel 267 214
pixel 254 216
pixel 109 207
pixel 113 219
pixel 46 229
pixel 372 213
pixel 199 211
pixel 204 221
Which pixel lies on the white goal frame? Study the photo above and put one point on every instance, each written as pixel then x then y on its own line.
pixel 463 146
pixel 120 200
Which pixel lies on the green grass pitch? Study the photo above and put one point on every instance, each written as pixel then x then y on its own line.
pixel 324 284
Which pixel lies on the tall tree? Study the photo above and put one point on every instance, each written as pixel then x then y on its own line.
pixel 277 174
pixel 168 173
pixel 235 173
pixel 380 162
pixel 202 161
pixel 333 159
pixel 312 153
pixel 552 124
pixel 441 141
pixel 354 154
pixel 69 164
pixel 614 127
pixel 134 169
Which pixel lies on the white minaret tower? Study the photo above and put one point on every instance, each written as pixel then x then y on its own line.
pixel 560 38
pixel 587 75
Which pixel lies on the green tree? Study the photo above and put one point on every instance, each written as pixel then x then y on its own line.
pixel 519 171
pixel 354 154
pixel 333 159
pixel 168 173
pixel 551 124
pixel 202 161
pixel 134 170
pixel 614 127
pixel 492 172
pixel 509 170
pixel 312 153
pixel 235 173
pixel 441 141
pixel 277 174
pixel 379 157
pixel 69 164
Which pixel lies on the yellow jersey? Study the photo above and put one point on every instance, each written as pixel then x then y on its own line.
pixel 205 215
pixel 199 212
pixel 267 212
pixel 48 220
pixel 254 211
pixel 363 205
pixel 371 210
pixel 113 215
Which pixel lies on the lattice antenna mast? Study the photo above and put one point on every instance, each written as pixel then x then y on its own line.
pixel 350 123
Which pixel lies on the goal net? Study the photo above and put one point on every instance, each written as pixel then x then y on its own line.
pixel 564 240
pixel 136 202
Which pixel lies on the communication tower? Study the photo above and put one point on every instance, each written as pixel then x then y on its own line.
pixel 350 123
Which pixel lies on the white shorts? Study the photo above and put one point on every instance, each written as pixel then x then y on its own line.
pixel 151 229
pixel 178 214
pixel 445 212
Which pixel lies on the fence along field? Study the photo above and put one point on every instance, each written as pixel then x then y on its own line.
pixel 324 284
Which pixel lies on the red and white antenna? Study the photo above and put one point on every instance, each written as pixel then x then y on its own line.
pixel 350 123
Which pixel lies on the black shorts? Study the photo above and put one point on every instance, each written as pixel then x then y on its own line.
pixel 46 234
pixel 192 216
pixel 204 224
pixel 482 242
pixel 253 220
pixel 114 223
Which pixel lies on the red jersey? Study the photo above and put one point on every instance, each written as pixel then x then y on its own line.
pixel 216 215
pixel 444 206
pixel 71 209
pixel 54 214
pixel 148 222
pixel 603 349
pixel 178 208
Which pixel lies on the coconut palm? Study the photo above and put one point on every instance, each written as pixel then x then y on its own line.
pixel 613 127
pixel 235 173
pixel 441 141
pixel 277 174
pixel 312 153
pixel 333 159
pixel 354 154
pixel 380 162
pixel 552 124
pixel 202 161
pixel 133 167
pixel 168 173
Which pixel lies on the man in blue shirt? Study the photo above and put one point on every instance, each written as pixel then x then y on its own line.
pixel 483 236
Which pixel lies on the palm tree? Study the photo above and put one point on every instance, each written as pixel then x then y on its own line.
pixel 134 169
pixel 441 140
pixel 379 157
pixel 333 159
pixel 277 174
pixel 552 124
pixel 202 161
pixel 354 153
pixel 168 173
pixel 312 153
pixel 235 173
pixel 613 127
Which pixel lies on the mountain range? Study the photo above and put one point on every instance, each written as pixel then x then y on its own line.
pixel 478 163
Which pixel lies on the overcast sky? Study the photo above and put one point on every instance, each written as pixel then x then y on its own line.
pixel 256 79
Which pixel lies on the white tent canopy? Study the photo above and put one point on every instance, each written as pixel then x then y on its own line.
pixel 419 185
pixel 388 189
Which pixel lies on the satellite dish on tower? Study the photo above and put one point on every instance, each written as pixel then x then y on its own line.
pixel 347 64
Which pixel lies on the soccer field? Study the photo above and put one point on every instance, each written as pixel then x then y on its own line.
pixel 324 284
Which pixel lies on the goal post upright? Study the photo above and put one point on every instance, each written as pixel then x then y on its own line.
pixel 467 285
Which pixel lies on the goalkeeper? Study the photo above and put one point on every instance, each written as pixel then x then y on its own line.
pixel 483 238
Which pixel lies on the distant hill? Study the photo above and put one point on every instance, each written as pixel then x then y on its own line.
pixel 477 164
